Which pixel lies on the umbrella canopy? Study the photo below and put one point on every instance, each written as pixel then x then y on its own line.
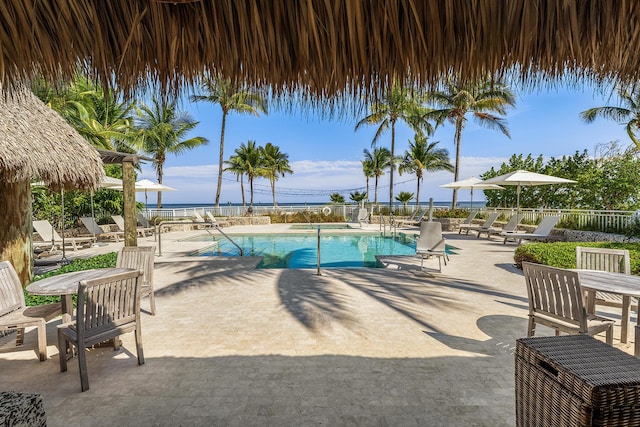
pixel 471 184
pixel 148 185
pixel 37 143
pixel 522 178
pixel 322 48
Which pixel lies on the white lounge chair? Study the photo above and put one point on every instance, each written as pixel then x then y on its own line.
pixel 51 238
pixel 467 221
pixel 142 231
pixel 485 226
pixel 510 227
pixel 363 216
pixel 542 232
pixel 200 220
pixel 415 221
pixel 93 227
pixel 430 243
pixel 212 219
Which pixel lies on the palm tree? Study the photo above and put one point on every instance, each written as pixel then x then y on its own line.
pixel 357 196
pixel 398 104
pixel 627 112
pixel 231 97
pixel 249 161
pixel 424 156
pixel 236 165
pixel 336 198
pixel 367 169
pixel 162 131
pixel 479 98
pixel 276 165
pixel 378 161
pixel 404 197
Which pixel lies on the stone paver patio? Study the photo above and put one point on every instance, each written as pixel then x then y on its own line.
pixel 232 345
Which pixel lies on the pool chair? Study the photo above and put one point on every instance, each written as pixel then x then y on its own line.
pixel 417 219
pixel 212 219
pixel 97 231
pixel 542 232
pixel 510 227
pixel 201 221
pixel 363 216
pixel 430 243
pixel 485 226
pixel 51 238
pixel 467 221
pixel 142 231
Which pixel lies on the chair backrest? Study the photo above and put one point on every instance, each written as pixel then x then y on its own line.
pixel 119 220
pixel 138 257
pixel 211 217
pixel 513 222
pixel 143 220
pixel 363 214
pixel 470 217
pixel 198 216
pixel 612 260
pixel 430 238
pixel 108 302
pixel 555 293
pixel 413 215
pixel 492 218
pixel 11 294
pixel 46 231
pixel 91 225
pixel 546 225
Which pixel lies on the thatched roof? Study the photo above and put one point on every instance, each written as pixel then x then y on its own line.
pixel 323 47
pixel 36 143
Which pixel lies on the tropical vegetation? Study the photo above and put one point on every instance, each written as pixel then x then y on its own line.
pixel 231 97
pixel 404 197
pixel 376 163
pixel 336 198
pixel 627 113
pixel 276 165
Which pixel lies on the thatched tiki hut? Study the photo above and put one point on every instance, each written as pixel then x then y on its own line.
pixel 36 143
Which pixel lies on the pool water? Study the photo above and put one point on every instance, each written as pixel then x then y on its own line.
pixel 300 250
pixel 322 227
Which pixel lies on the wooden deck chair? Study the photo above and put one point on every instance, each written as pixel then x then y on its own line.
pixel 542 231
pixel 141 258
pixel 485 226
pixel 107 308
pixel 557 301
pixel 51 238
pixel 430 243
pixel 15 315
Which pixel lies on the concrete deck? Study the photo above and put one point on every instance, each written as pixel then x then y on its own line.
pixel 232 345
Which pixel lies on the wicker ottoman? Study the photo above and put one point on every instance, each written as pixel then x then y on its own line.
pixel 575 380
pixel 21 409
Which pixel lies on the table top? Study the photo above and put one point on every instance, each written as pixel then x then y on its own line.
pixel 67 283
pixel 617 283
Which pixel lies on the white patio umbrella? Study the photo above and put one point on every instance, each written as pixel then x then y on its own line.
pixel 147 185
pixel 471 184
pixel 521 178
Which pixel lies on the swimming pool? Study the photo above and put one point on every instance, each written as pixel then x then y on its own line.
pixel 300 250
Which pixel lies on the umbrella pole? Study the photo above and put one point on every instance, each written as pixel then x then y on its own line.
pixel 63 260
pixel 471 199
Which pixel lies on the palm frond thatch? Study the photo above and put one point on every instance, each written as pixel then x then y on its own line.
pixel 319 48
pixel 36 143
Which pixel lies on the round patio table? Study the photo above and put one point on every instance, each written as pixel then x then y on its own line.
pixel 66 285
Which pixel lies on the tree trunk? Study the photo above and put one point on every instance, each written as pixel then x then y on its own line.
pixel 16 231
pixel 456 172
pixel 273 193
pixel 375 199
pixel 221 158
pixel 393 164
pixel 418 191
pixel 244 203
pixel 160 174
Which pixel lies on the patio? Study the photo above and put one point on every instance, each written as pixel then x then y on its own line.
pixel 232 345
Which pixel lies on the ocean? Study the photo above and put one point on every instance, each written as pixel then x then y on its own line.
pixel 447 204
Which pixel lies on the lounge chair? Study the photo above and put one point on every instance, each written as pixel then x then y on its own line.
pixel 510 227
pixel 212 219
pixel 542 232
pixel 485 226
pixel 467 221
pixel 200 220
pixel 142 231
pixel 51 238
pixel 93 227
pixel 430 243
pixel 415 221
pixel 363 216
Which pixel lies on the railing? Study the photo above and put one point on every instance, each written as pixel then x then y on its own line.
pixel 591 219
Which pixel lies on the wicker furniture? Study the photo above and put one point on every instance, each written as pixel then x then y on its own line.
pixel 107 308
pixel 430 243
pixel 556 300
pixel 140 258
pixel 14 314
pixel 575 381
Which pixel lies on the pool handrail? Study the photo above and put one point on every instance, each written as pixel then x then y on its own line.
pixel 215 226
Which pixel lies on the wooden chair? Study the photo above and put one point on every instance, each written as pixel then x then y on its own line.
pixel 612 260
pixel 15 315
pixel 140 258
pixel 556 300
pixel 107 308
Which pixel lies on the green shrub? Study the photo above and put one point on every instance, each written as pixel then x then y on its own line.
pixel 99 261
pixel 450 213
pixel 563 254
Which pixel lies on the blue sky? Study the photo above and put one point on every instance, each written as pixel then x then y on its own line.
pixel 325 154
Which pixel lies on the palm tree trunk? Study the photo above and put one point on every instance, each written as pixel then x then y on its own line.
pixel 244 203
pixel 375 200
pixel 456 172
pixel 393 148
pixel 418 190
pixel 273 192
pixel 16 230
pixel 221 158
pixel 367 178
pixel 251 191
pixel 160 174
